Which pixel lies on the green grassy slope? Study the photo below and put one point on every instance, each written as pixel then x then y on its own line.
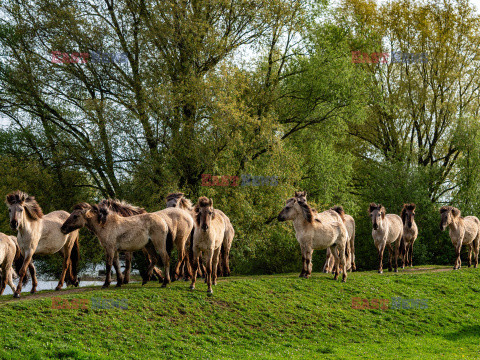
pixel 266 317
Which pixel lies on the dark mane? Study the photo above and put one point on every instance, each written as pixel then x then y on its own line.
pixel 32 208
pixel 307 211
pixel 174 196
pixel 455 212
pixel 340 211
pixel 81 206
pixel 121 207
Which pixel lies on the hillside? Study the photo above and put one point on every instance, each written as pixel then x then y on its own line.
pixel 267 317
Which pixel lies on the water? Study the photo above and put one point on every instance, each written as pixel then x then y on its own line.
pixel 48 285
pixel 92 271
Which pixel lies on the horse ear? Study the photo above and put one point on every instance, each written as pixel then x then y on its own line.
pixel 372 207
pixel 455 212
pixel 382 210
pixel 210 202
pixel 196 208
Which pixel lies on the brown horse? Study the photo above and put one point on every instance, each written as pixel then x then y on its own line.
pixel 463 231
pixel 410 233
pixel 208 237
pixel 117 233
pixel 179 200
pixel 317 232
pixel 40 234
pixel 125 209
pixel 8 252
pixel 387 232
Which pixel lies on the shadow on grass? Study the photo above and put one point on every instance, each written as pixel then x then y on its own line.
pixel 465 332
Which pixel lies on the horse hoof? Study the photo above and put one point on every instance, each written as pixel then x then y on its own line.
pixel 119 284
pixel 58 288
pixel 192 287
pixel 76 283
pixel 105 286
pixel 16 295
pixel 325 271
pixel 396 270
pixel 380 271
pixel 33 291
pixel 344 280
pixel 125 282
pixel 164 285
pixel 209 292
pixel 389 270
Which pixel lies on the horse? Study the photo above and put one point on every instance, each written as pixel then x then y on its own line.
pixel 40 234
pixel 350 225
pixel 9 251
pixel 410 233
pixel 208 236
pixel 463 231
pixel 179 200
pixel 387 231
pixel 125 209
pixel 118 233
pixel 317 232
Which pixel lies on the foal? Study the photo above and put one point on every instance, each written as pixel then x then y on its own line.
pixel 387 231
pixel 208 237
pixel 410 233
pixel 463 231
pixel 8 253
pixel 40 234
pixel 315 232
pixel 179 200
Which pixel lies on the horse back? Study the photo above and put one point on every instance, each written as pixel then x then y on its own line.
pixel 395 226
pixel 472 228
pixel 7 250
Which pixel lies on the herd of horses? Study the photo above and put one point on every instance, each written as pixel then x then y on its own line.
pixel 202 236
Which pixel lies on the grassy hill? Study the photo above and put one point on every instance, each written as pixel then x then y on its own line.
pixel 267 317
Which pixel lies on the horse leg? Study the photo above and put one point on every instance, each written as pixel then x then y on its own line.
pixel 470 250
pixel 166 263
pixel 66 263
pixel 352 249
pixel 181 259
pixel 33 275
pixel 343 262
pixel 216 258
pixel 221 263
pixel 226 261
pixel 23 271
pixel 10 279
pixel 476 245
pixel 326 267
pixel 390 251
pixel 4 280
pixel 302 273
pixel 194 269
pixel 397 252
pixel 410 256
pixel 209 255
pixel 118 269
pixel 381 249
pixel 458 261
pixel 128 267
pixel 404 252
pixel 109 254
pixel 336 261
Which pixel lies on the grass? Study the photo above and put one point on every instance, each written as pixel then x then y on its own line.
pixel 266 317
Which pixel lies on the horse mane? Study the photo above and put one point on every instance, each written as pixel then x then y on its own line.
pixel 184 202
pixel 378 207
pixel 306 210
pixel 300 193
pixel 203 201
pixel 455 212
pixel 121 207
pixel 81 206
pixel 340 211
pixel 404 210
pixel 33 209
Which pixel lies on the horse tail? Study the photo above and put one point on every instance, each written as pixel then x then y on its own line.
pixel 340 211
pixel 75 257
pixel 402 246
